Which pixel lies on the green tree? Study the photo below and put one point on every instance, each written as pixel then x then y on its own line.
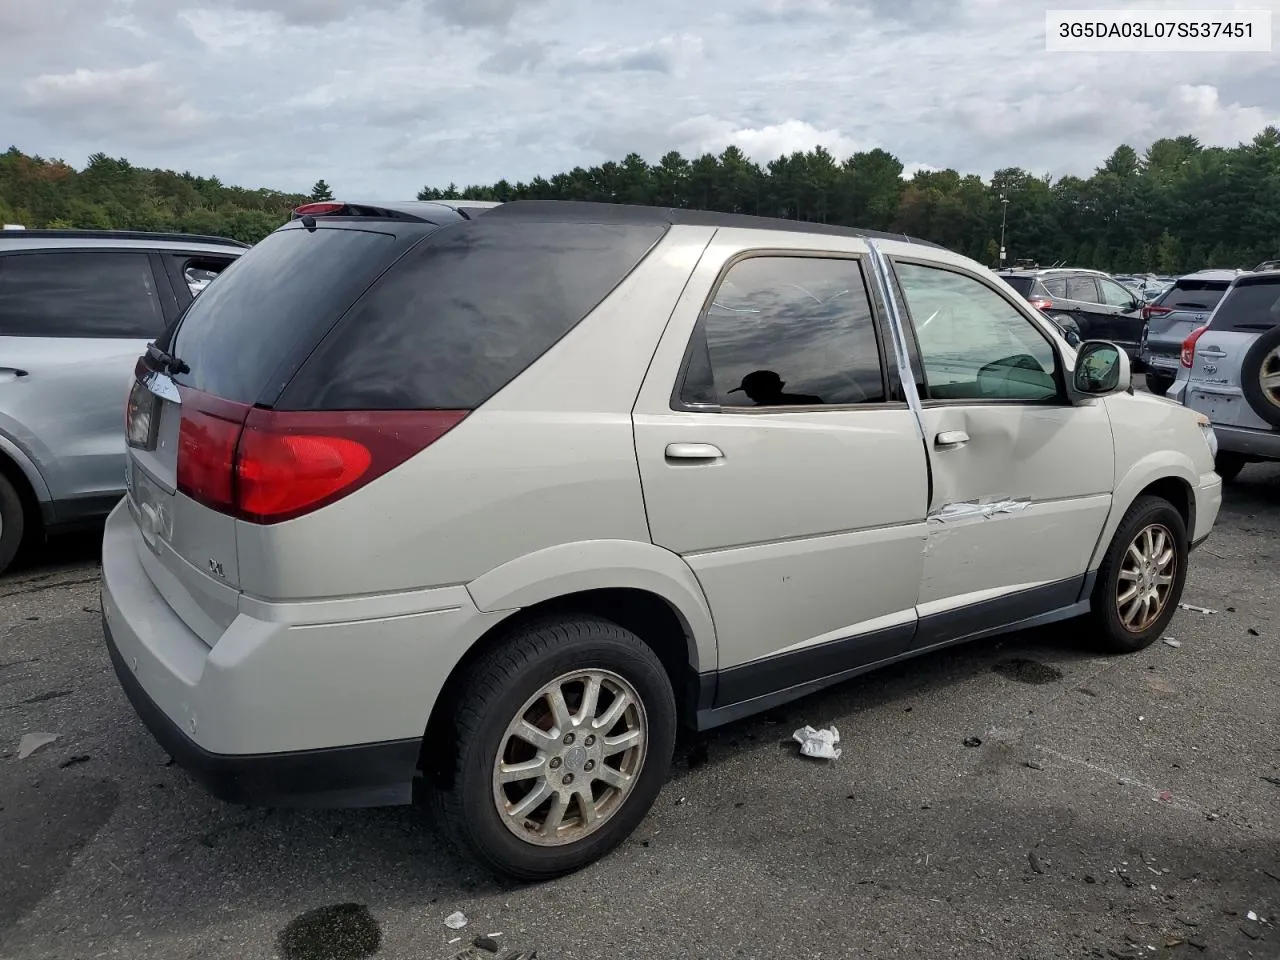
pixel 321 191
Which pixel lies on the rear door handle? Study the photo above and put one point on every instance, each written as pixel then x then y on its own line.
pixel 11 373
pixel 949 439
pixel 693 451
pixel 1215 352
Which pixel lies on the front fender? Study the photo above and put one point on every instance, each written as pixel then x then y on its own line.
pixel 14 452
pixel 598 565
pixel 1152 467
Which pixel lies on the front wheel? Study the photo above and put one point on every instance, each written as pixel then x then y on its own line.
pixel 562 738
pixel 1159 384
pixel 1141 578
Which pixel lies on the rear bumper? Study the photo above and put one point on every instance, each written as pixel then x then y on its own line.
pixel 313 703
pixel 1262 444
pixel 376 774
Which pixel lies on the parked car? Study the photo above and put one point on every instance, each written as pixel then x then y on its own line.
pixel 397 531
pixel 1233 372
pixel 1170 319
pixel 77 307
pixel 1267 265
pixel 1086 301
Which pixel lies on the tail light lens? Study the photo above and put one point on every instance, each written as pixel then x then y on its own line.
pixel 1189 346
pixel 318 209
pixel 1041 303
pixel 267 466
pixel 1148 312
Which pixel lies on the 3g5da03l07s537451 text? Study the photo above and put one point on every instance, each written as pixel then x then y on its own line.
pixel 1158 31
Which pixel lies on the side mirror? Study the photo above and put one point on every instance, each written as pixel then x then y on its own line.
pixel 1101 369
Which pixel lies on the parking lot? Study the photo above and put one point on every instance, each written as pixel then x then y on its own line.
pixel 1114 807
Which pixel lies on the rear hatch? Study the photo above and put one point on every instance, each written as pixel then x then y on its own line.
pixel 198 387
pixel 1250 309
pixel 1170 319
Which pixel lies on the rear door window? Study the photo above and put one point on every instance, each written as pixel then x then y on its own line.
pixel 1056 287
pixel 787 331
pixel 1082 289
pixel 1252 307
pixel 465 312
pixel 110 294
pixel 245 335
pixel 191 274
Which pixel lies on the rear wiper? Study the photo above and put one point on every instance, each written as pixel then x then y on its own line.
pixel 167 361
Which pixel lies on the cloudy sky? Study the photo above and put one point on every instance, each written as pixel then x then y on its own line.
pixel 380 97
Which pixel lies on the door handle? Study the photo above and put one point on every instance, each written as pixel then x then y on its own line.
pixel 1215 352
pixel 949 439
pixel 11 373
pixel 693 451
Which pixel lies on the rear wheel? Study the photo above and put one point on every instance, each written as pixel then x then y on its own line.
pixel 12 523
pixel 1159 383
pixel 562 741
pixel 1141 578
pixel 1228 465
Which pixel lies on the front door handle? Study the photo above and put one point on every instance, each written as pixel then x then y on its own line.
pixel 693 451
pixel 950 439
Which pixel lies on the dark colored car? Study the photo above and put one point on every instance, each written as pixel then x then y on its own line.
pixel 1170 318
pixel 1087 302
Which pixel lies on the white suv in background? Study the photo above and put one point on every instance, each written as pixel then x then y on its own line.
pixel 479 505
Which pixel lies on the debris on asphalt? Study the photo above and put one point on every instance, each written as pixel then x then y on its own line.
pixel 1034 860
pixel 1164 796
pixel 1194 609
pixel 1033 765
pixel 1251 915
pixel 972 741
pixel 1170 642
pixel 486 943
pixel 31 742
pixel 1274 780
pixel 72 761
pixel 1254 633
pixel 818 744
pixel 454 940
pixel 456 921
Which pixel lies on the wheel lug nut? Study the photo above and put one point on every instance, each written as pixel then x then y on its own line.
pixel 555 763
pixel 590 765
pixel 568 739
pixel 590 741
pixel 568 779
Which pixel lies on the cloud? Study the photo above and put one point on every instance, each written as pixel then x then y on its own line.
pixel 516 57
pixel 665 55
pixel 711 135
pixel 137 101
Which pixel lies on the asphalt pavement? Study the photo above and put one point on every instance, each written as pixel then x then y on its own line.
pixel 1114 807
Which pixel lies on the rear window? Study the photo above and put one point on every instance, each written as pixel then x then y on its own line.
pixel 243 336
pixel 1190 294
pixel 465 312
pixel 1023 285
pixel 1252 307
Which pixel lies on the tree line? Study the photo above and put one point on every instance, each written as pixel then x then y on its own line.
pixel 1177 207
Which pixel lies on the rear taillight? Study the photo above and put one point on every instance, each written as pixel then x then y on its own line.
pixel 1189 346
pixel 268 466
pixel 318 209
pixel 1148 312
pixel 1041 303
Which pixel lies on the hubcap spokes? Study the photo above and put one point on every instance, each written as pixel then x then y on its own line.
pixel 570 758
pixel 1146 577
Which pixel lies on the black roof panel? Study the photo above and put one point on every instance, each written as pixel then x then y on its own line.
pixel 73 234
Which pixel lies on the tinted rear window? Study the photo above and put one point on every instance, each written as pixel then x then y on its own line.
pixel 244 335
pixel 1022 284
pixel 466 312
pixel 79 294
pixel 1190 294
pixel 1251 308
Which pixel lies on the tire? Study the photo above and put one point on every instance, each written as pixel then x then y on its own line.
pixel 1112 634
pixel 1159 384
pixel 13 522
pixel 1263 361
pixel 1228 466
pixel 505 685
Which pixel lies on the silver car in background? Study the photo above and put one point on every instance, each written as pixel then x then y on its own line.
pixel 1169 319
pixel 1233 372
pixel 77 310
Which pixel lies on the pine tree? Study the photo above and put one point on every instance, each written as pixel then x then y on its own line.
pixel 321 191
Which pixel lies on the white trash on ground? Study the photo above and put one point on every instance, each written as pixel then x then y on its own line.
pixel 1194 609
pixel 31 742
pixel 819 744
pixel 1170 642
pixel 456 921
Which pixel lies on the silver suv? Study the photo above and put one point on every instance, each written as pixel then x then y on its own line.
pixel 1169 319
pixel 77 307
pixel 478 506
pixel 1233 372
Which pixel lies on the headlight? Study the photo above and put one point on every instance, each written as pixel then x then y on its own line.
pixel 1206 430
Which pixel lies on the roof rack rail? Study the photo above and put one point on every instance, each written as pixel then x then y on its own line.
pixel 77 234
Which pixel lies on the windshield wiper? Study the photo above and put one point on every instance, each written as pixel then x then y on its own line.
pixel 167 361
